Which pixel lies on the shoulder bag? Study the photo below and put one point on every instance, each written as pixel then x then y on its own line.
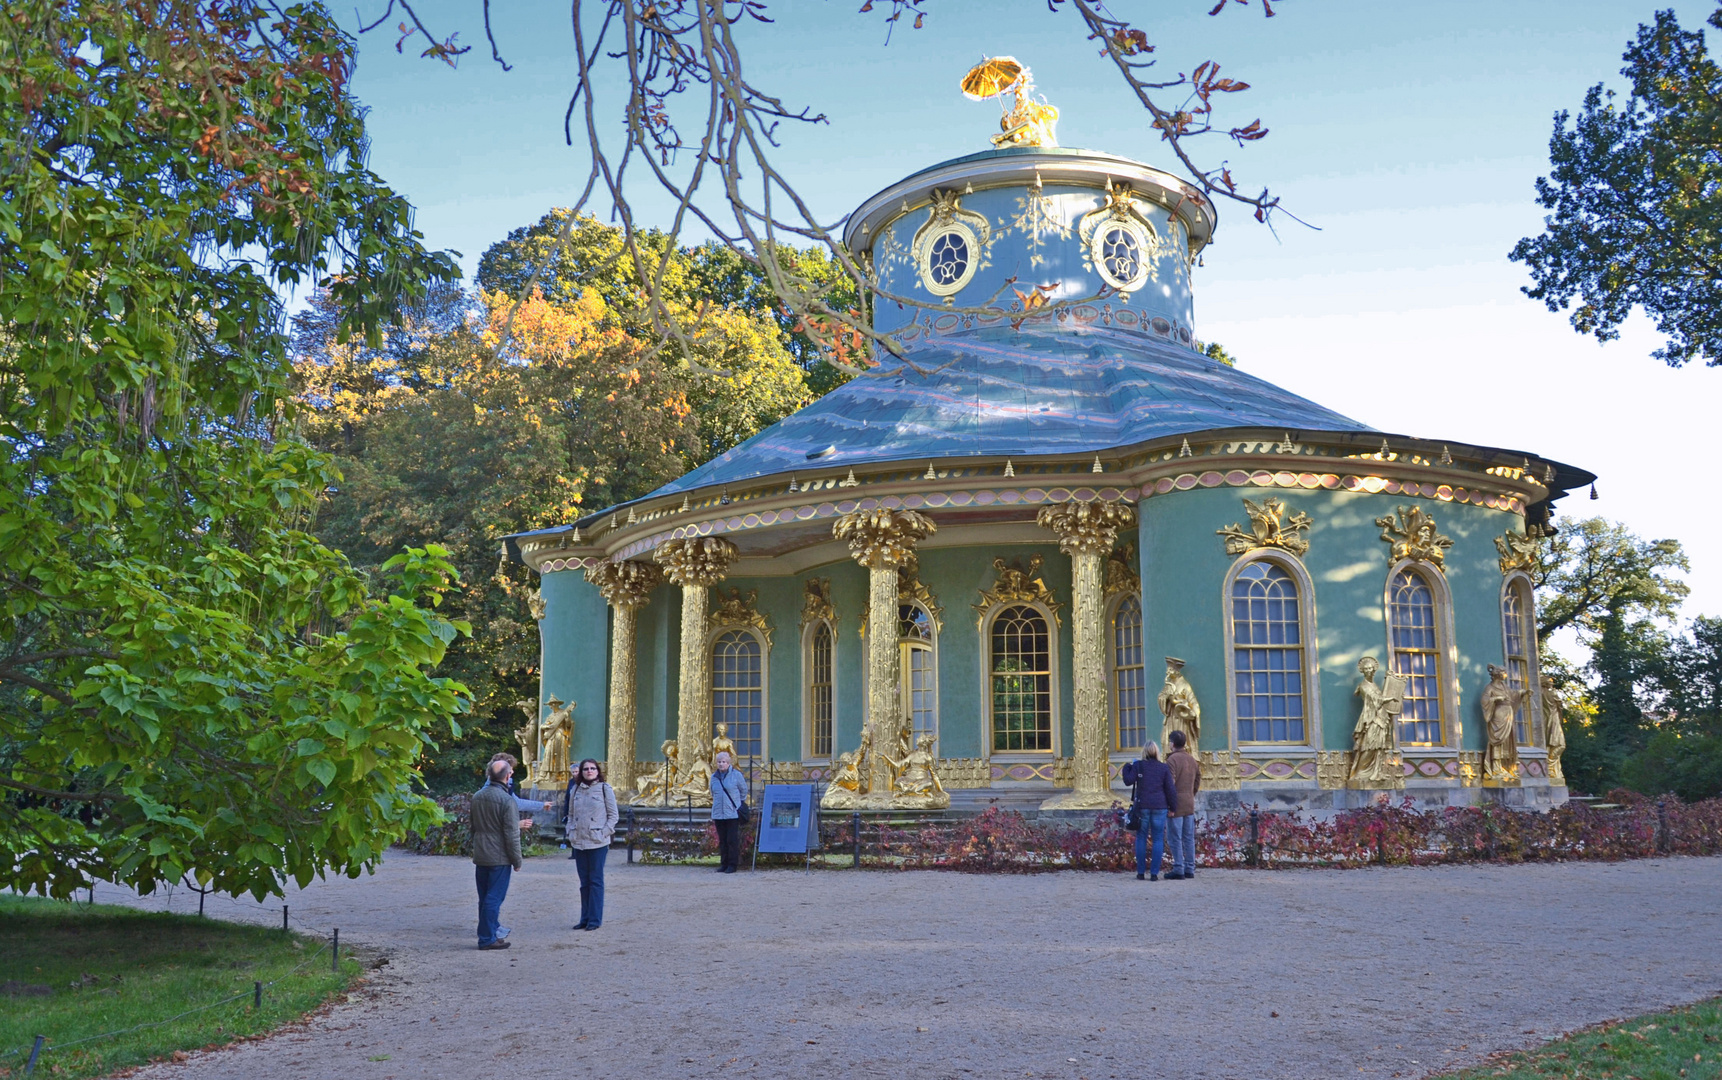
pixel 742 813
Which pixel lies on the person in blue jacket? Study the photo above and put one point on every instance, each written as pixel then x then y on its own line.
pixel 1153 796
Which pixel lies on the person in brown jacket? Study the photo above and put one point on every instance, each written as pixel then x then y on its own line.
pixel 1181 828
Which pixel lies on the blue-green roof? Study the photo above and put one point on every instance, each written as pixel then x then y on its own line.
pixel 998 391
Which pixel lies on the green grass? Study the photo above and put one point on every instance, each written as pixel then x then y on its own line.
pixel 1661 1046
pixel 71 971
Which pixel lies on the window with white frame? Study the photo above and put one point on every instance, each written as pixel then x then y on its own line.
pixel 1129 679
pixel 738 690
pixel 821 702
pixel 1520 638
pixel 1414 644
pixel 915 657
pixel 1020 666
pixel 1267 655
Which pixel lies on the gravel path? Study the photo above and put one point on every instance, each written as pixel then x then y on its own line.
pixel 1282 974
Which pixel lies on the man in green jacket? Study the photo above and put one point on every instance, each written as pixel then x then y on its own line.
pixel 495 828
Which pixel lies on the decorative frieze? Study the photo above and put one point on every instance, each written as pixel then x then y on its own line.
pixel 1414 536
pixel 1270 527
pixel 1017 584
pixel 1221 770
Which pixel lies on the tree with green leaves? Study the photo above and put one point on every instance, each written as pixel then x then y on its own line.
pixel 1617 592
pixel 190 682
pixel 1635 208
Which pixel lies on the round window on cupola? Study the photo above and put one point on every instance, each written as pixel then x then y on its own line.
pixel 1120 250
pixel 949 258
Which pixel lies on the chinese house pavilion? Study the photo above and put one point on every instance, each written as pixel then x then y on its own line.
pixel 1048 533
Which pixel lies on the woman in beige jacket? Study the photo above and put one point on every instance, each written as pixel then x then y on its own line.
pixel 591 820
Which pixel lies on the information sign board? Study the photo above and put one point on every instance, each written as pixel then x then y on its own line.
pixel 789 819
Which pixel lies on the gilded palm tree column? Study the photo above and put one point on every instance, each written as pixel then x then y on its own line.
pixel 696 565
pixel 626 587
pixel 882 540
pixel 1086 532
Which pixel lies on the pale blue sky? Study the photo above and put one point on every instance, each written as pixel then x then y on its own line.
pixel 1410 133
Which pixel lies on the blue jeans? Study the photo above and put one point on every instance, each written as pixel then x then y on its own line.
pixel 1152 821
pixel 1182 841
pixel 590 863
pixel 492 887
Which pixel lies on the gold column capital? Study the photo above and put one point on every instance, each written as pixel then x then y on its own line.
pixel 700 560
pixel 1086 528
pixel 625 584
pixel 882 538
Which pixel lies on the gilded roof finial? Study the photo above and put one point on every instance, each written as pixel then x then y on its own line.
pixel 1026 122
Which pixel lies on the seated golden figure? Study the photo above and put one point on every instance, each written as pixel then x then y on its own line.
pixel 650 789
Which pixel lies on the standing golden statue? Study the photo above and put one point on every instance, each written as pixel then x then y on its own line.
pixel 527 737
pixel 1374 764
pixel 721 743
pixel 1026 122
pixel 555 733
pixel 1179 706
pixel 651 789
pixel 1499 703
pixel 1554 734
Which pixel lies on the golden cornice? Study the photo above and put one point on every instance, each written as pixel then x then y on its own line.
pixel 1277 461
pixel 1121 575
pixel 1413 535
pixel 739 609
pixel 1017 584
pixel 1519 551
pixel 816 603
pixel 1270 527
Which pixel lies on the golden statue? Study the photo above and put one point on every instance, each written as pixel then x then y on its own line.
pixel 917 783
pixel 1026 122
pixel 905 737
pixel 694 785
pixel 843 783
pixel 555 733
pixel 1179 706
pixel 1499 703
pixel 721 743
pixel 527 737
pixel 651 789
pixel 1374 764
pixel 1554 734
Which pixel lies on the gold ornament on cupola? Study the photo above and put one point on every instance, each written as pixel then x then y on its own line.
pixel 1026 122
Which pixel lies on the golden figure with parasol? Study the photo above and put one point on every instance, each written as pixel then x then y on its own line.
pixel 1026 122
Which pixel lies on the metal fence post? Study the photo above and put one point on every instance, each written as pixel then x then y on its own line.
pixel 335 952
pixel 630 836
pixel 283 918
pixel 1253 849
pixel 257 995
pixel 35 1051
pixel 855 824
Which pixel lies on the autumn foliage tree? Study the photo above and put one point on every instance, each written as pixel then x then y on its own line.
pixel 191 684
pixel 470 422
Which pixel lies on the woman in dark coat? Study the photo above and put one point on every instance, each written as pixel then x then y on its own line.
pixel 1154 795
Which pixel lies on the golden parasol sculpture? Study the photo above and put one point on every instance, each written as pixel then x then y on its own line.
pixel 1026 122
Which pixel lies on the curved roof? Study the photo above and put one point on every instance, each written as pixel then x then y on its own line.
pixel 1000 391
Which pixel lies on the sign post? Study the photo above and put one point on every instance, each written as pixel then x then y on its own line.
pixel 788 821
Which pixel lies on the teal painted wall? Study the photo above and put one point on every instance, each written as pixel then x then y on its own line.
pixel 576 634
pixel 656 679
pixel 956 577
pixel 1184 566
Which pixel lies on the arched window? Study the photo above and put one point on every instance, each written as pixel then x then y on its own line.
pixel 1414 645
pixel 1129 681
pixel 821 703
pixel 1267 655
pixel 1520 643
pixel 1021 673
pixel 915 655
pixel 738 690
